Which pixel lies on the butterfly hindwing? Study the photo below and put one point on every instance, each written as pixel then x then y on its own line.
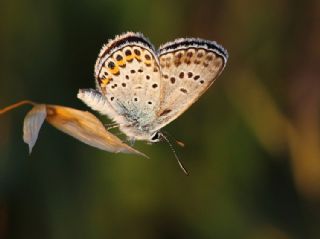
pixel 189 66
pixel 127 74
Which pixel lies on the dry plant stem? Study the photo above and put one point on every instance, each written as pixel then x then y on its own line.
pixel 81 125
pixel 16 105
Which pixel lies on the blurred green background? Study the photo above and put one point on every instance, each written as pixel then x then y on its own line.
pixel 252 141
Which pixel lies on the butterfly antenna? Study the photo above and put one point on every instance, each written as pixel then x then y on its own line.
pixel 181 144
pixel 175 155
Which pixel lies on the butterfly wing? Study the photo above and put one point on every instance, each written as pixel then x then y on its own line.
pixel 127 75
pixel 189 66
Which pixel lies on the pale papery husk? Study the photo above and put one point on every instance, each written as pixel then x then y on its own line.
pixel 87 128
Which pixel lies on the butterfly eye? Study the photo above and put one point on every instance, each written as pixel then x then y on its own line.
pixel 155 137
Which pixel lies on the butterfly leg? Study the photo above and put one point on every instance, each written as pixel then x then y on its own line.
pixel 112 126
pixel 131 141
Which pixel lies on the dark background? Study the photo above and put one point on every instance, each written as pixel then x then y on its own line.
pixel 252 141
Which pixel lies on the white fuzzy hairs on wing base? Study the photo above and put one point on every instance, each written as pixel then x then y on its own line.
pixel 98 102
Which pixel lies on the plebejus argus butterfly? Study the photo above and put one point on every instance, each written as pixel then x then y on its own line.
pixel 143 90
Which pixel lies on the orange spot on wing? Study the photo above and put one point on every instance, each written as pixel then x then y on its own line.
pixel 129 58
pixel 115 70
pixel 105 81
pixel 121 63
pixel 137 57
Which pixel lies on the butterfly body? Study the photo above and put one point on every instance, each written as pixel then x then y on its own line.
pixel 143 90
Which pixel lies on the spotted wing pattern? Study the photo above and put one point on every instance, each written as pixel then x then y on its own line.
pixel 127 75
pixel 189 66
pixel 142 91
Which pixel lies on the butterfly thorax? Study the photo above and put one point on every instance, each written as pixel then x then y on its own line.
pixel 138 133
pixel 137 123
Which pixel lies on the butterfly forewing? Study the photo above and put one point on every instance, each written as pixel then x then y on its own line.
pixel 189 66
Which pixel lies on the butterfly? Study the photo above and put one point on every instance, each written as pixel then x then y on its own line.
pixel 142 89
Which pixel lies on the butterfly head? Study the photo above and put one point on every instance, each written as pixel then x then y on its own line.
pixel 142 134
pixel 155 137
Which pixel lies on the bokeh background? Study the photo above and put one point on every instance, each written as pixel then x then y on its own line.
pixel 252 141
